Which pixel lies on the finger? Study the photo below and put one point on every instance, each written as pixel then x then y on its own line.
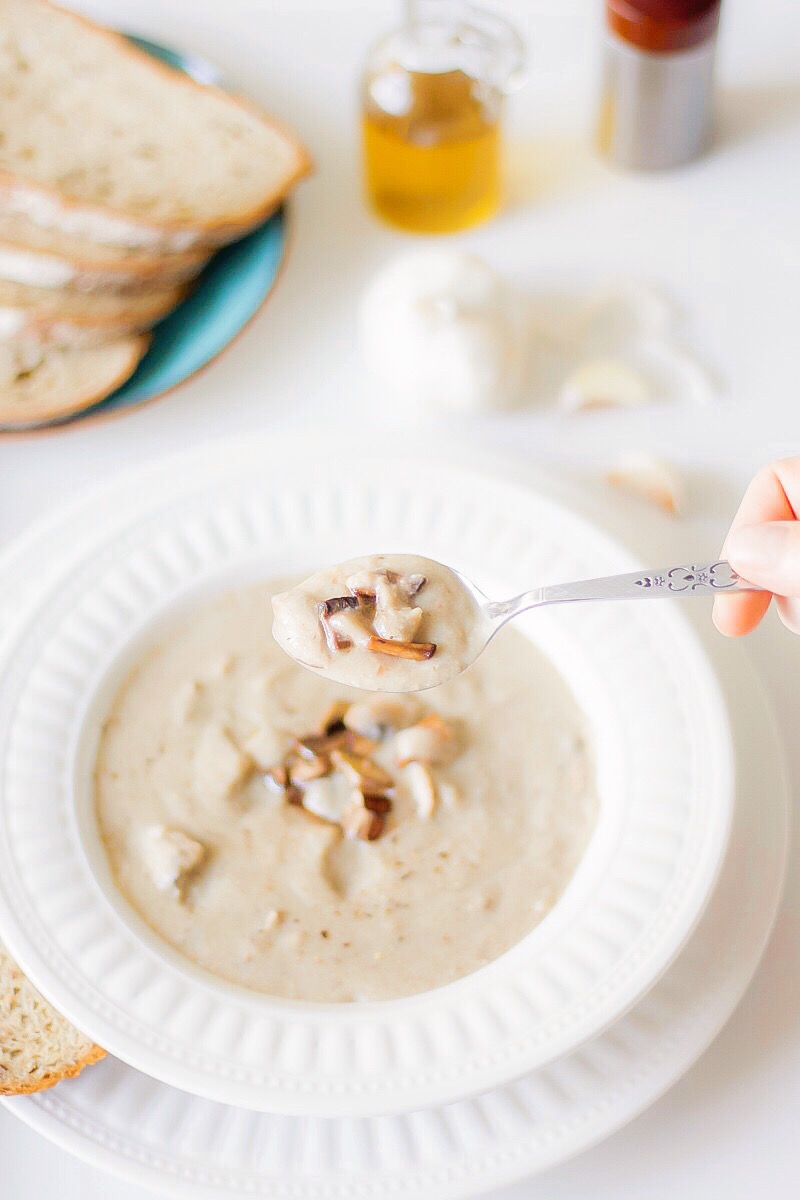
pixel 736 615
pixel 789 610
pixel 773 495
pixel 767 554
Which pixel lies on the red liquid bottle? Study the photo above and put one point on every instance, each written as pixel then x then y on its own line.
pixel 657 95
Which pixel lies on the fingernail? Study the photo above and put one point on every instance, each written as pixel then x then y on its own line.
pixel 757 547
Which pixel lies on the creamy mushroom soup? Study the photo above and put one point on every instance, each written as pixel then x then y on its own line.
pixel 314 842
pixel 385 622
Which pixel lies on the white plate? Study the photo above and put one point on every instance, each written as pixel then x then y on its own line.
pixel 182 1146
pixel 233 510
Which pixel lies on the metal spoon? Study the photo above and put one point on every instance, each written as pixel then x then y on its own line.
pixel 476 619
pixel 693 580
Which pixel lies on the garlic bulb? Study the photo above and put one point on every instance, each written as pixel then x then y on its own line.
pixel 443 331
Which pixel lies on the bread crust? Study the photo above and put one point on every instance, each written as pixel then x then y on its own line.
pixel 160 234
pixel 52 1078
pixel 8 412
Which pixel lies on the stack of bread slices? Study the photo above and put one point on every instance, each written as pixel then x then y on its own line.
pixel 119 178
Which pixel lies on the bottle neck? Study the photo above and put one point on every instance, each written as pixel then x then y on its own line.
pixel 434 20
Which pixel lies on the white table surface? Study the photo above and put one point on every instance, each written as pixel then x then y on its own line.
pixel 722 236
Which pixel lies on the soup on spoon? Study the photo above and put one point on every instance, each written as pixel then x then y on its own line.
pixel 385 622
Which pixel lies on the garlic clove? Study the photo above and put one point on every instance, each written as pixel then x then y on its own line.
pixel 603 383
pixel 650 478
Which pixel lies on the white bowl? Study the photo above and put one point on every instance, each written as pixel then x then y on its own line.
pixel 224 513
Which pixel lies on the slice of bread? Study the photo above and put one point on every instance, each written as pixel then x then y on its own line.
pixel 39 385
pixel 38 1047
pixel 49 258
pixel 99 138
pixel 55 317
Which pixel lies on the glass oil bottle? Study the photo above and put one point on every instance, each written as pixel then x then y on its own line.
pixel 432 105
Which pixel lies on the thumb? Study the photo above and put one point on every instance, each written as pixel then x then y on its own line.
pixel 767 554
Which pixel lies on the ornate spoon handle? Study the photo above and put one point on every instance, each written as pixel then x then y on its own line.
pixel 693 580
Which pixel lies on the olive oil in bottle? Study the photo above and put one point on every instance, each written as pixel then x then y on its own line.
pixel 432 107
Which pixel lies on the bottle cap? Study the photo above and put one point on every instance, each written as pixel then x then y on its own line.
pixel 661 26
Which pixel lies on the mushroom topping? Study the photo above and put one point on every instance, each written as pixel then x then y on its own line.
pixel 360 822
pixel 377 614
pixel 332 774
pixel 343 739
pixel 395 619
pixel 363 772
pixel 277 778
pixel 430 741
pixel 376 804
pixel 422 788
pixel 333 719
pixel 381 714
pixel 340 622
pixel 418 651
pixel 327 797
pixel 384 623
pixel 303 770
pixel 171 857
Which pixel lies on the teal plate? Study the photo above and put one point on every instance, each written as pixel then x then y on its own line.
pixel 227 294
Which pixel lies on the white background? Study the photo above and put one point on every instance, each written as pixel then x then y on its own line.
pixel 721 235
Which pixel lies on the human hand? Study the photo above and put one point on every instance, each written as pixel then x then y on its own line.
pixel 763 546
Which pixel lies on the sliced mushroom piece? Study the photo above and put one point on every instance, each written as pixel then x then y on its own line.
pixel 381 714
pixel 395 619
pixel 422 787
pixel 377 804
pixel 363 585
pixel 336 638
pixel 327 797
pixel 357 743
pixel 303 770
pixel 333 719
pixel 397 624
pixel 337 604
pixel 359 822
pixel 418 651
pixel 348 627
pixel 430 741
pixel 277 778
pixel 366 774
pixel 314 744
pixel 310 745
